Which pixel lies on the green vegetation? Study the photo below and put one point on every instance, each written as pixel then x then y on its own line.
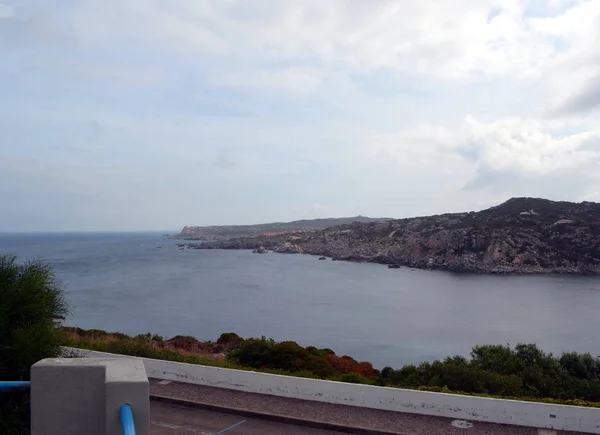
pixel 30 301
pixel 522 372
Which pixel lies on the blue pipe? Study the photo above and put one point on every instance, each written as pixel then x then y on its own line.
pixel 6 386
pixel 127 424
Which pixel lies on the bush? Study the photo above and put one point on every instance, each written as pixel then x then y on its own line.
pixel 581 366
pixel 31 300
pixel 252 353
pixel 319 352
pixel 353 378
pixel 185 342
pixel 345 364
pixel 286 355
pixel 227 337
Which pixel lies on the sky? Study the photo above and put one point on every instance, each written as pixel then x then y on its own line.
pixel 154 114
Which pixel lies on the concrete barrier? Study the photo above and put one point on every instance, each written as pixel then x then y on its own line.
pixel 538 415
pixel 74 396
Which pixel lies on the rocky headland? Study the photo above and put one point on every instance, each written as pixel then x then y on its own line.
pixel 225 232
pixel 522 236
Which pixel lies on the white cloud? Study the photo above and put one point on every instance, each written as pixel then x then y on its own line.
pixel 522 146
pixel 292 48
pixel 510 144
pixel 496 154
pixel 444 38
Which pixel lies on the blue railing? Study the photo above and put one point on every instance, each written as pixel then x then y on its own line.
pixel 127 424
pixel 7 386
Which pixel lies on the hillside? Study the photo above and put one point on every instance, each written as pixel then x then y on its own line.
pixel 224 232
pixel 522 235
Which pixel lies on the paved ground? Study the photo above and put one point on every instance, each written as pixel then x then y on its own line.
pixel 393 422
pixel 168 419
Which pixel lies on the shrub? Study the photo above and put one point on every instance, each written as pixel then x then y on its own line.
pixel 252 353
pixel 230 341
pixel 581 366
pixel 185 342
pixel 496 358
pixel 286 355
pixel 353 378
pixel 319 352
pixel 31 300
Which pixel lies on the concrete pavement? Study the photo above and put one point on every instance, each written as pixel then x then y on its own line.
pixel 355 419
pixel 167 419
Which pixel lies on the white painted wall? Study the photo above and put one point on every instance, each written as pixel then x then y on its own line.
pixel 540 415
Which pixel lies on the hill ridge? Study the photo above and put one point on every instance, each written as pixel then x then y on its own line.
pixel 521 235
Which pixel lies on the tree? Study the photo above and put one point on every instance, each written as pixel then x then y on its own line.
pixel 31 302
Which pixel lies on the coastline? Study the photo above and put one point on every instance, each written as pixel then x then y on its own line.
pixel 523 236
pixel 433 266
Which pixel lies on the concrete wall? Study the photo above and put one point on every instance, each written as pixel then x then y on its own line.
pixel 82 396
pixel 538 415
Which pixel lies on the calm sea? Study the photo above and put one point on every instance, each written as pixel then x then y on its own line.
pixel 141 282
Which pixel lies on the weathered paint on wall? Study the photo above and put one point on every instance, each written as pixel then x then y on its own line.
pixel 531 414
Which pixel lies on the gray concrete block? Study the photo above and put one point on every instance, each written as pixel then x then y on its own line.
pixel 83 396
pixel 126 382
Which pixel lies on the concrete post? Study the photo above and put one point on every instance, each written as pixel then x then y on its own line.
pixel 74 396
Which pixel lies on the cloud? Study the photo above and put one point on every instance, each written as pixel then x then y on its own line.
pixel 506 156
pixel 586 100
pixel 264 110
pixel 523 146
pixel 439 38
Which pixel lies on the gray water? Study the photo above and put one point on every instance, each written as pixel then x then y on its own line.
pixel 124 282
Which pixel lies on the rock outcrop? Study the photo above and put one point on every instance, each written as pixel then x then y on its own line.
pixel 522 235
pixel 287 248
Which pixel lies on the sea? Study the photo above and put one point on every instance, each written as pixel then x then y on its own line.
pixel 143 282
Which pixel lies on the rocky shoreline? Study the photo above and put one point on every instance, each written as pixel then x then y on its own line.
pixel 465 265
pixel 520 236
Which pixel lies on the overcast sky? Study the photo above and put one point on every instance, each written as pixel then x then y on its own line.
pixel 149 114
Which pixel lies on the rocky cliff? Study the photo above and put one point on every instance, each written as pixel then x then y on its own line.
pixel 522 235
pixel 224 232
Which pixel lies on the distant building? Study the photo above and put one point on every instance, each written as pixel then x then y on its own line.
pixel 528 213
pixel 564 221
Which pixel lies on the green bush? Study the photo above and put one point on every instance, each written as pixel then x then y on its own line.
pixel 286 355
pixel 253 352
pixel 581 366
pixel 228 337
pixel 31 300
pixel 353 378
